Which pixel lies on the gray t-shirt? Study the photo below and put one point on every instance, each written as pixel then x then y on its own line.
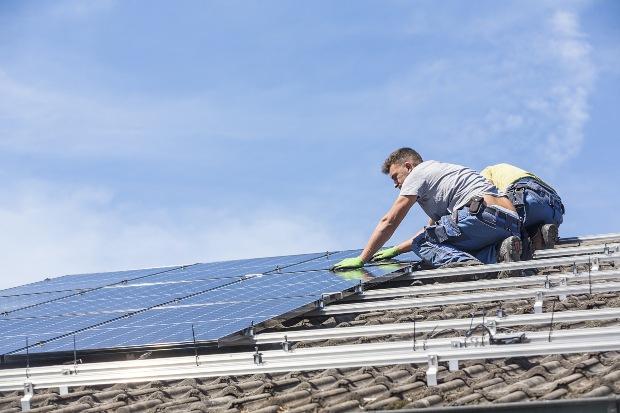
pixel 443 187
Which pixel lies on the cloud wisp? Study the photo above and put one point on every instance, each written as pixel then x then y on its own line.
pixel 570 47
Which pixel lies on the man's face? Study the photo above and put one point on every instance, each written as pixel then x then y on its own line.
pixel 398 173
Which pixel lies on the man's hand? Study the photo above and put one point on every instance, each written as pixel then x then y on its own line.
pixel 349 263
pixel 385 254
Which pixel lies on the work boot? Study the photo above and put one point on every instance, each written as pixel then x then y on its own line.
pixel 550 235
pixel 509 251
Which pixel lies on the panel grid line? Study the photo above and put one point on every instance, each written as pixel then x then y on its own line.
pixel 81 292
pixel 127 315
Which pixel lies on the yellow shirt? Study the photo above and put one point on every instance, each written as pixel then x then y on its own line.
pixel 503 175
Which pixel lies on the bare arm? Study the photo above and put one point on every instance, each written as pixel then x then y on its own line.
pixel 387 225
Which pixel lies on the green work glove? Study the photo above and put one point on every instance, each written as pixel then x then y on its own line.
pixel 349 263
pixel 385 254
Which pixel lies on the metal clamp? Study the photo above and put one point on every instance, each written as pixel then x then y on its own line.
pixel 258 357
pixel 538 304
pixel 28 393
pixel 249 331
pixel 431 372
pixel 286 345
pixel 492 326
pixel 563 284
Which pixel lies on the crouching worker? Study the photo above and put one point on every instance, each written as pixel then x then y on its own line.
pixel 537 203
pixel 470 220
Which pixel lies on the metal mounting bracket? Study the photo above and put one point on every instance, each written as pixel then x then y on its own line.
pixel 538 304
pixel 431 372
pixel 28 393
pixel 258 357
pixel 610 249
pixel 492 326
pixel 453 365
pixel 249 331
pixel 286 345
pixel 563 284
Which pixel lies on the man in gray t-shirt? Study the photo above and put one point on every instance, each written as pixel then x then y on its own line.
pixel 467 217
pixel 442 188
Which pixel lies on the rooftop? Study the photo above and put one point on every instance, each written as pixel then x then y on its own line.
pixel 428 340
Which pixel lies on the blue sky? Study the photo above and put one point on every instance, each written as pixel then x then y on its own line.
pixel 138 134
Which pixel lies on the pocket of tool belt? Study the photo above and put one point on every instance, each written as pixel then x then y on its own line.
pixel 475 205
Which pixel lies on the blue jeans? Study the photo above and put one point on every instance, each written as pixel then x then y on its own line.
pixel 471 236
pixel 537 205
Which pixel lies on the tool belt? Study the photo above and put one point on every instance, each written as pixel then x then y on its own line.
pixel 447 226
pixel 477 206
pixel 516 194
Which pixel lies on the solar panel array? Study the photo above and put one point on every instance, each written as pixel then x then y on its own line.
pixel 162 306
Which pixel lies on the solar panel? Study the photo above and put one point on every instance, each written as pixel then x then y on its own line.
pixel 159 306
pixel 81 281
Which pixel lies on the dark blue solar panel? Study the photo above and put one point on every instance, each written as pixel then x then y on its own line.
pixel 231 269
pixel 16 330
pixel 219 299
pixel 14 302
pixel 120 298
pixel 174 324
pixel 80 281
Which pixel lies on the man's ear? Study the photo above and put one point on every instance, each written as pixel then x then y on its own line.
pixel 408 165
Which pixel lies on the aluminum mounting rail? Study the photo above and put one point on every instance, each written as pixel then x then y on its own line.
pixel 437 325
pixel 607 248
pixel 592 260
pixel 419 302
pixel 590 238
pixel 440 288
pixel 453 350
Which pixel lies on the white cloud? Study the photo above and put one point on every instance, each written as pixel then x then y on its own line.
pixel 49 230
pixel 525 97
pixel 570 96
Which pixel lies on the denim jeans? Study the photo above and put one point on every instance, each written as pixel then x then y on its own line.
pixel 541 205
pixel 473 236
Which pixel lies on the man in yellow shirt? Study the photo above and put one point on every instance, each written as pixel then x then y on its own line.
pixel 538 204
